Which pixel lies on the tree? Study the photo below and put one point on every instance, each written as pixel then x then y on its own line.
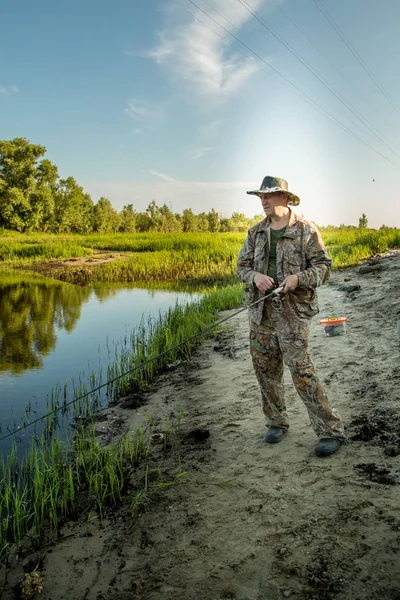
pixel 363 222
pixel 105 217
pixel 238 222
pixel 33 198
pixel 189 220
pixel 142 222
pixel 73 208
pixel 202 222
pixel 47 174
pixel 179 220
pixel 18 159
pixel 14 207
pixel 40 216
pixel 225 224
pixel 128 219
pixel 153 213
pixel 168 221
pixel 213 220
pixel 43 198
pixel 26 188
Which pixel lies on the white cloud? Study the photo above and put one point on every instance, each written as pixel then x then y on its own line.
pixel 143 110
pixel 200 152
pixel 161 175
pixel 196 56
pixel 8 90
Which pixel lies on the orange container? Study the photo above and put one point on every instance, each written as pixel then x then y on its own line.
pixel 333 326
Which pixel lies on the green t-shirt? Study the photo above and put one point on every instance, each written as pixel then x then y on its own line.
pixel 276 235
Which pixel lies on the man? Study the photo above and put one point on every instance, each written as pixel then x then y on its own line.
pixel 284 250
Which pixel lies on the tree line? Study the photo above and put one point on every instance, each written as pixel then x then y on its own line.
pixel 34 198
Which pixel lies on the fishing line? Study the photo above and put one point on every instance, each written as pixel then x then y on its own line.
pixel 277 290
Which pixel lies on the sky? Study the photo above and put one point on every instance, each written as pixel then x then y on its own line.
pixel 192 102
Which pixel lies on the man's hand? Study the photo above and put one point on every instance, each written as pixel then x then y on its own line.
pixel 263 282
pixel 289 283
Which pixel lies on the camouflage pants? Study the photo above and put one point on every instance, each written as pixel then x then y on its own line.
pixel 282 338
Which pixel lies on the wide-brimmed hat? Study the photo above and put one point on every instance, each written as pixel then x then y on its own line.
pixel 275 184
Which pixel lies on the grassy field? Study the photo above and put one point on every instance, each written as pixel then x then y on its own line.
pixel 348 246
pixel 166 257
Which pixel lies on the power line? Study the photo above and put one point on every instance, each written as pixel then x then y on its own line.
pixel 348 81
pixel 278 63
pixel 274 71
pixel 359 59
pixel 316 74
pixel 260 48
pixel 286 79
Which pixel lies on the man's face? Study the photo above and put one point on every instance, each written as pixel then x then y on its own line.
pixel 273 200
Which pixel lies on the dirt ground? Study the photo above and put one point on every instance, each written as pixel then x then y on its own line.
pixel 252 521
pixel 80 267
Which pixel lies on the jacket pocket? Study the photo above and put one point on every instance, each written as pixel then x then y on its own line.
pixel 293 263
pixel 305 303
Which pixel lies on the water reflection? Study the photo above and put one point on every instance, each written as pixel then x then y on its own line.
pixel 31 308
pixel 56 338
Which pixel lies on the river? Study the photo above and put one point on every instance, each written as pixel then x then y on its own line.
pixel 53 333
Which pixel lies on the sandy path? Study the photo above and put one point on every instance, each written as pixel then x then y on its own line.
pixel 252 521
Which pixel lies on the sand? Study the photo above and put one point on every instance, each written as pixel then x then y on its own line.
pixel 249 520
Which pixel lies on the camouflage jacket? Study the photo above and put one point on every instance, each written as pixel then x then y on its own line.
pixel 300 251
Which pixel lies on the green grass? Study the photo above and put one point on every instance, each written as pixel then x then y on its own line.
pixel 170 257
pixel 349 246
pixel 46 249
pixel 147 257
pixel 57 481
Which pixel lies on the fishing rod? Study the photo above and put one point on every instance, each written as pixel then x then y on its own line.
pixel 277 292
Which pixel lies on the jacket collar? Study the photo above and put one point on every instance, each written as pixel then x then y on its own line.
pixel 291 228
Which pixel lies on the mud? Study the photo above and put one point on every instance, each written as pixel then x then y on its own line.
pixel 74 270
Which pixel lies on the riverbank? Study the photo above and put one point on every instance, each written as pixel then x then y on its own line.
pixel 43 459
pixel 237 518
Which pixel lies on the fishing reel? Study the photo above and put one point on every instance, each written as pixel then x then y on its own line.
pixel 278 299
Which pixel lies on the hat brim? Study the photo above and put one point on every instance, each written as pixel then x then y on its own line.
pixel 293 200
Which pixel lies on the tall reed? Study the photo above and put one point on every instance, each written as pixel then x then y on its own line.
pixel 56 480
